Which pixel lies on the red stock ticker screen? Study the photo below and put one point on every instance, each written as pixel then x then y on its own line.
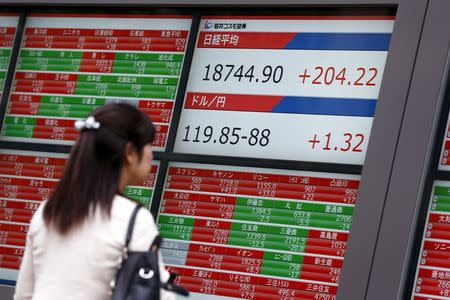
pixel 27 179
pixel 250 233
pixel 432 280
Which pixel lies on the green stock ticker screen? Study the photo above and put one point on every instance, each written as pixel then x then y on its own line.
pixel 26 179
pixel 70 64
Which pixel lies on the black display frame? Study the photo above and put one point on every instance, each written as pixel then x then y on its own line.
pixel 433 174
pixel 416 163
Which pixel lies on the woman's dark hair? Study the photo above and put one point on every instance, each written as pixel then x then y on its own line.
pixel 92 174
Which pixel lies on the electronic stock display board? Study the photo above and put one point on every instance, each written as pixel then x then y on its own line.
pixel 300 88
pixel 253 233
pixel 297 88
pixel 70 64
pixel 26 179
pixel 8 25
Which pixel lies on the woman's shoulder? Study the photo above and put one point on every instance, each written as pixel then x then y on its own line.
pixel 144 230
pixel 122 208
pixel 37 221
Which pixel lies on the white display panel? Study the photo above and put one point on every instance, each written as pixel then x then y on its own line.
pixel 297 88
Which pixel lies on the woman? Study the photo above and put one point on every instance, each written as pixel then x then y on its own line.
pixel 75 239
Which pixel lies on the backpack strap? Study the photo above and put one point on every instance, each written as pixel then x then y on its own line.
pixel 157 241
pixel 131 225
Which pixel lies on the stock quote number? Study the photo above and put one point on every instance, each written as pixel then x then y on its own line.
pixel 219 72
pixel 352 142
pixel 331 75
pixel 226 135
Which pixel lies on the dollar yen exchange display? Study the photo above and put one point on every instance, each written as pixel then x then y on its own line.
pixel 297 88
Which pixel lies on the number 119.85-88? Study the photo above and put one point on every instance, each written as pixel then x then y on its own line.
pixel 227 135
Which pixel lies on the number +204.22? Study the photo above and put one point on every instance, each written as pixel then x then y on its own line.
pixel 331 75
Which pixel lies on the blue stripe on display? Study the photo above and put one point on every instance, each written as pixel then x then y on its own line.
pixel 7 282
pixel 340 41
pixel 327 106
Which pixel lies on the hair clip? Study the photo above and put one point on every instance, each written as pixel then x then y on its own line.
pixel 89 123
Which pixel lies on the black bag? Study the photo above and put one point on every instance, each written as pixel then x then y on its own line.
pixel 138 274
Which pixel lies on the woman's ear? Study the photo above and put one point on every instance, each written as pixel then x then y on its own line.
pixel 130 154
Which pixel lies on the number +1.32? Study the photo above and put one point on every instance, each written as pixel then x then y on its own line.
pixel 331 75
pixel 352 142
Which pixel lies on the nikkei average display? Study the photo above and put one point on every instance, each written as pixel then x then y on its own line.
pixel 253 233
pixel 285 87
pixel 432 281
pixel 8 25
pixel 70 64
pixel 26 179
